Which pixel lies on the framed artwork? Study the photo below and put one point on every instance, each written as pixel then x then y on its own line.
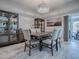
pixel 54 22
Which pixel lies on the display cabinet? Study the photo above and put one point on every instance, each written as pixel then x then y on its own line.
pixel 8 26
pixel 39 23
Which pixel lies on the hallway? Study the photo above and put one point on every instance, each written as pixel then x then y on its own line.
pixel 69 50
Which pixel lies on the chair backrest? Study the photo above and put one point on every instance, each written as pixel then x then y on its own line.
pixel 27 34
pixel 55 34
pixel 38 30
pixel 33 30
pixel 60 33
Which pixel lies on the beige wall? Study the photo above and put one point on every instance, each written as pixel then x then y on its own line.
pixel 25 22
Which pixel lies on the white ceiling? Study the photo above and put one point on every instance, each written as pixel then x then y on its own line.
pixel 29 7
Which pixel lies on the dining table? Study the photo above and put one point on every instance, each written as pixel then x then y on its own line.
pixel 40 36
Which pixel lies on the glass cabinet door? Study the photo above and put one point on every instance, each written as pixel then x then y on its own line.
pixel 3 25
pixel 3 29
pixel 13 25
pixel 13 29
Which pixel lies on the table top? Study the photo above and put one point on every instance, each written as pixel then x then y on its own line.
pixel 40 34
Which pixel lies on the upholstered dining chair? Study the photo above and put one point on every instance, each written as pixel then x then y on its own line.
pixel 51 42
pixel 28 41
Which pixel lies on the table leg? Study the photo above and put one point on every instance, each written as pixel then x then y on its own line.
pixel 40 45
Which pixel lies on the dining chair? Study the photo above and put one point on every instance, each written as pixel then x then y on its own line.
pixel 28 41
pixel 51 42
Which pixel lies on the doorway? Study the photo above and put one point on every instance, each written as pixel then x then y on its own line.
pixel 74 27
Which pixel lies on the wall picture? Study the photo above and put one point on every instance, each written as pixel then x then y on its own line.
pixel 54 22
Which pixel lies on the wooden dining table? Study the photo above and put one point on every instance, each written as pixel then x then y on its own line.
pixel 40 36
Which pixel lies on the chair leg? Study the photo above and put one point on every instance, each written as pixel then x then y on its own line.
pixel 29 50
pixel 25 47
pixel 52 49
pixel 56 45
pixel 59 44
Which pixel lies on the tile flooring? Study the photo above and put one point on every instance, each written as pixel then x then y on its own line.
pixel 69 50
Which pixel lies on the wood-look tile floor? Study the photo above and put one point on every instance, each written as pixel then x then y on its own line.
pixel 69 50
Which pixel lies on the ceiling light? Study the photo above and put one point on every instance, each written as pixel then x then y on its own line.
pixel 43 8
